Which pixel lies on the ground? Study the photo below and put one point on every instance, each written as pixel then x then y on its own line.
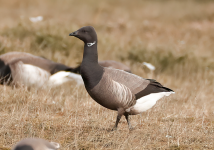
pixel 175 36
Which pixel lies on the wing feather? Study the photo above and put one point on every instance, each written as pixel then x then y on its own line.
pixel 132 81
pixel 139 86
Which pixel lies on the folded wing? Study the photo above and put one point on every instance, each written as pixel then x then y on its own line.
pixel 139 86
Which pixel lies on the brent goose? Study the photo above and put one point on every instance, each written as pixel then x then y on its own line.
pixel 115 89
pixel 35 144
pixel 109 64
pixel 30 70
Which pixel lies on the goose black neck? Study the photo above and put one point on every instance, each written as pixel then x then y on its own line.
pixel 90 54
pixel 91 71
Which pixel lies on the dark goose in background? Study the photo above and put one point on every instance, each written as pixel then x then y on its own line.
pixel 32 70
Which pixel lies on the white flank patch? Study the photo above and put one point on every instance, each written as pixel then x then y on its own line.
pixel 147 102
pixel 63 76
pixel 148 65
pixel 29 75
pixel 36 19
pixel 76 77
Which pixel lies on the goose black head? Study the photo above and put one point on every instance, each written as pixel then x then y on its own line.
pixel 87 34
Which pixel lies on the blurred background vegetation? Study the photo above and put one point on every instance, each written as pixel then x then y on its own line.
pixel 169 34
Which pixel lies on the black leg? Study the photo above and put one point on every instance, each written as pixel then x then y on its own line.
pixel 119 115
pixel 127 119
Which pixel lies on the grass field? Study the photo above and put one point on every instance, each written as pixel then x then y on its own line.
pixel 175 36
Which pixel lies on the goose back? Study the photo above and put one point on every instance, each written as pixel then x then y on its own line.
pixel 114 64
pixel 40 62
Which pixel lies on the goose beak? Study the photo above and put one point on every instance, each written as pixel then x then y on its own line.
pixel 74 33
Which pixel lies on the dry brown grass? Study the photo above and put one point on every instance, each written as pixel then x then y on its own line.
pixel 176 36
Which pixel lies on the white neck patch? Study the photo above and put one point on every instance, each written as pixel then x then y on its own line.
pixel 91 44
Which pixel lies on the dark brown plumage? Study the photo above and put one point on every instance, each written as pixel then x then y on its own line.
pixel 115 89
